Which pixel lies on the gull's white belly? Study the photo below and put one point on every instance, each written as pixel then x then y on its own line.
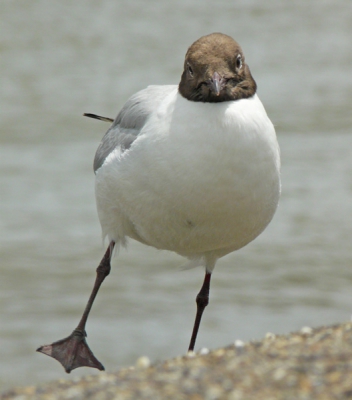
pixel 200 178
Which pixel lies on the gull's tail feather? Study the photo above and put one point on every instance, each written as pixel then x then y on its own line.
pixel 100 118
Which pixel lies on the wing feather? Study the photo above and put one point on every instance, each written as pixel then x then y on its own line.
pixel 130 121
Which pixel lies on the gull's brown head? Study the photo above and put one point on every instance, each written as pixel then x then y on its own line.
pixel 215 70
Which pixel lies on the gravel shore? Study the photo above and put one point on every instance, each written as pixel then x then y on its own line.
pixel 309 364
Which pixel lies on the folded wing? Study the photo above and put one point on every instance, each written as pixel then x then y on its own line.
pixel 130 121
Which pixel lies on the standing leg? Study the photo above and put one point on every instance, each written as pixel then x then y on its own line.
pixel 202 301
pixel 73 351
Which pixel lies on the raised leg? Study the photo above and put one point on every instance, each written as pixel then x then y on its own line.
pixel 73 351
pixel 202 301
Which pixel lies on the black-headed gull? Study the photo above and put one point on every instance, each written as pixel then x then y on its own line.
pixel 193 168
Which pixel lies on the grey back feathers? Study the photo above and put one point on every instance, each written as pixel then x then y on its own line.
pixel 130 121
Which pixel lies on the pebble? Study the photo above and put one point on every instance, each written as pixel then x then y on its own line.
pixel 238 343
pixel 143 362
pixel 306 330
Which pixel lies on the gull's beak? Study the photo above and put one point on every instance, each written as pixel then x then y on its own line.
pixel 216 83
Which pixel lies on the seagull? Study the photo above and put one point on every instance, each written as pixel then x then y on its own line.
pixel 192 168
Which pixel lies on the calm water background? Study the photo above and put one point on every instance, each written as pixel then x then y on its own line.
pixel 60 59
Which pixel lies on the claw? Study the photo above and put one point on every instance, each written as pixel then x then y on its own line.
pixel 72 352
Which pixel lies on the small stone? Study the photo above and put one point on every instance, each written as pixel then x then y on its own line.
pixel 270 336
pixel 238 343
pixel 306 330
pixel 204 351
pixel 279 374
pixel 143 362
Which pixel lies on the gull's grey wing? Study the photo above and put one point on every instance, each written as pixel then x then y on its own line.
pixel 130 120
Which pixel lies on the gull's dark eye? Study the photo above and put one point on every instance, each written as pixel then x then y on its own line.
pixel 239 61
pixel 190 70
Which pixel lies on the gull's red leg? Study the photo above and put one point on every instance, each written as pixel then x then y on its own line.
pixel 73 351
pixel 202 301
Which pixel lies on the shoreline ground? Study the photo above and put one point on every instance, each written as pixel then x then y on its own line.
pixel 309 364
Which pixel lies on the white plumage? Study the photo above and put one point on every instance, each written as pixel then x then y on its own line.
pixel 200 179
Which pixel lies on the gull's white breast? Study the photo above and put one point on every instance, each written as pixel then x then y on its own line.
pixel 200 179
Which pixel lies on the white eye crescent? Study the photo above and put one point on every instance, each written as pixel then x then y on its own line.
pixel 239 61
